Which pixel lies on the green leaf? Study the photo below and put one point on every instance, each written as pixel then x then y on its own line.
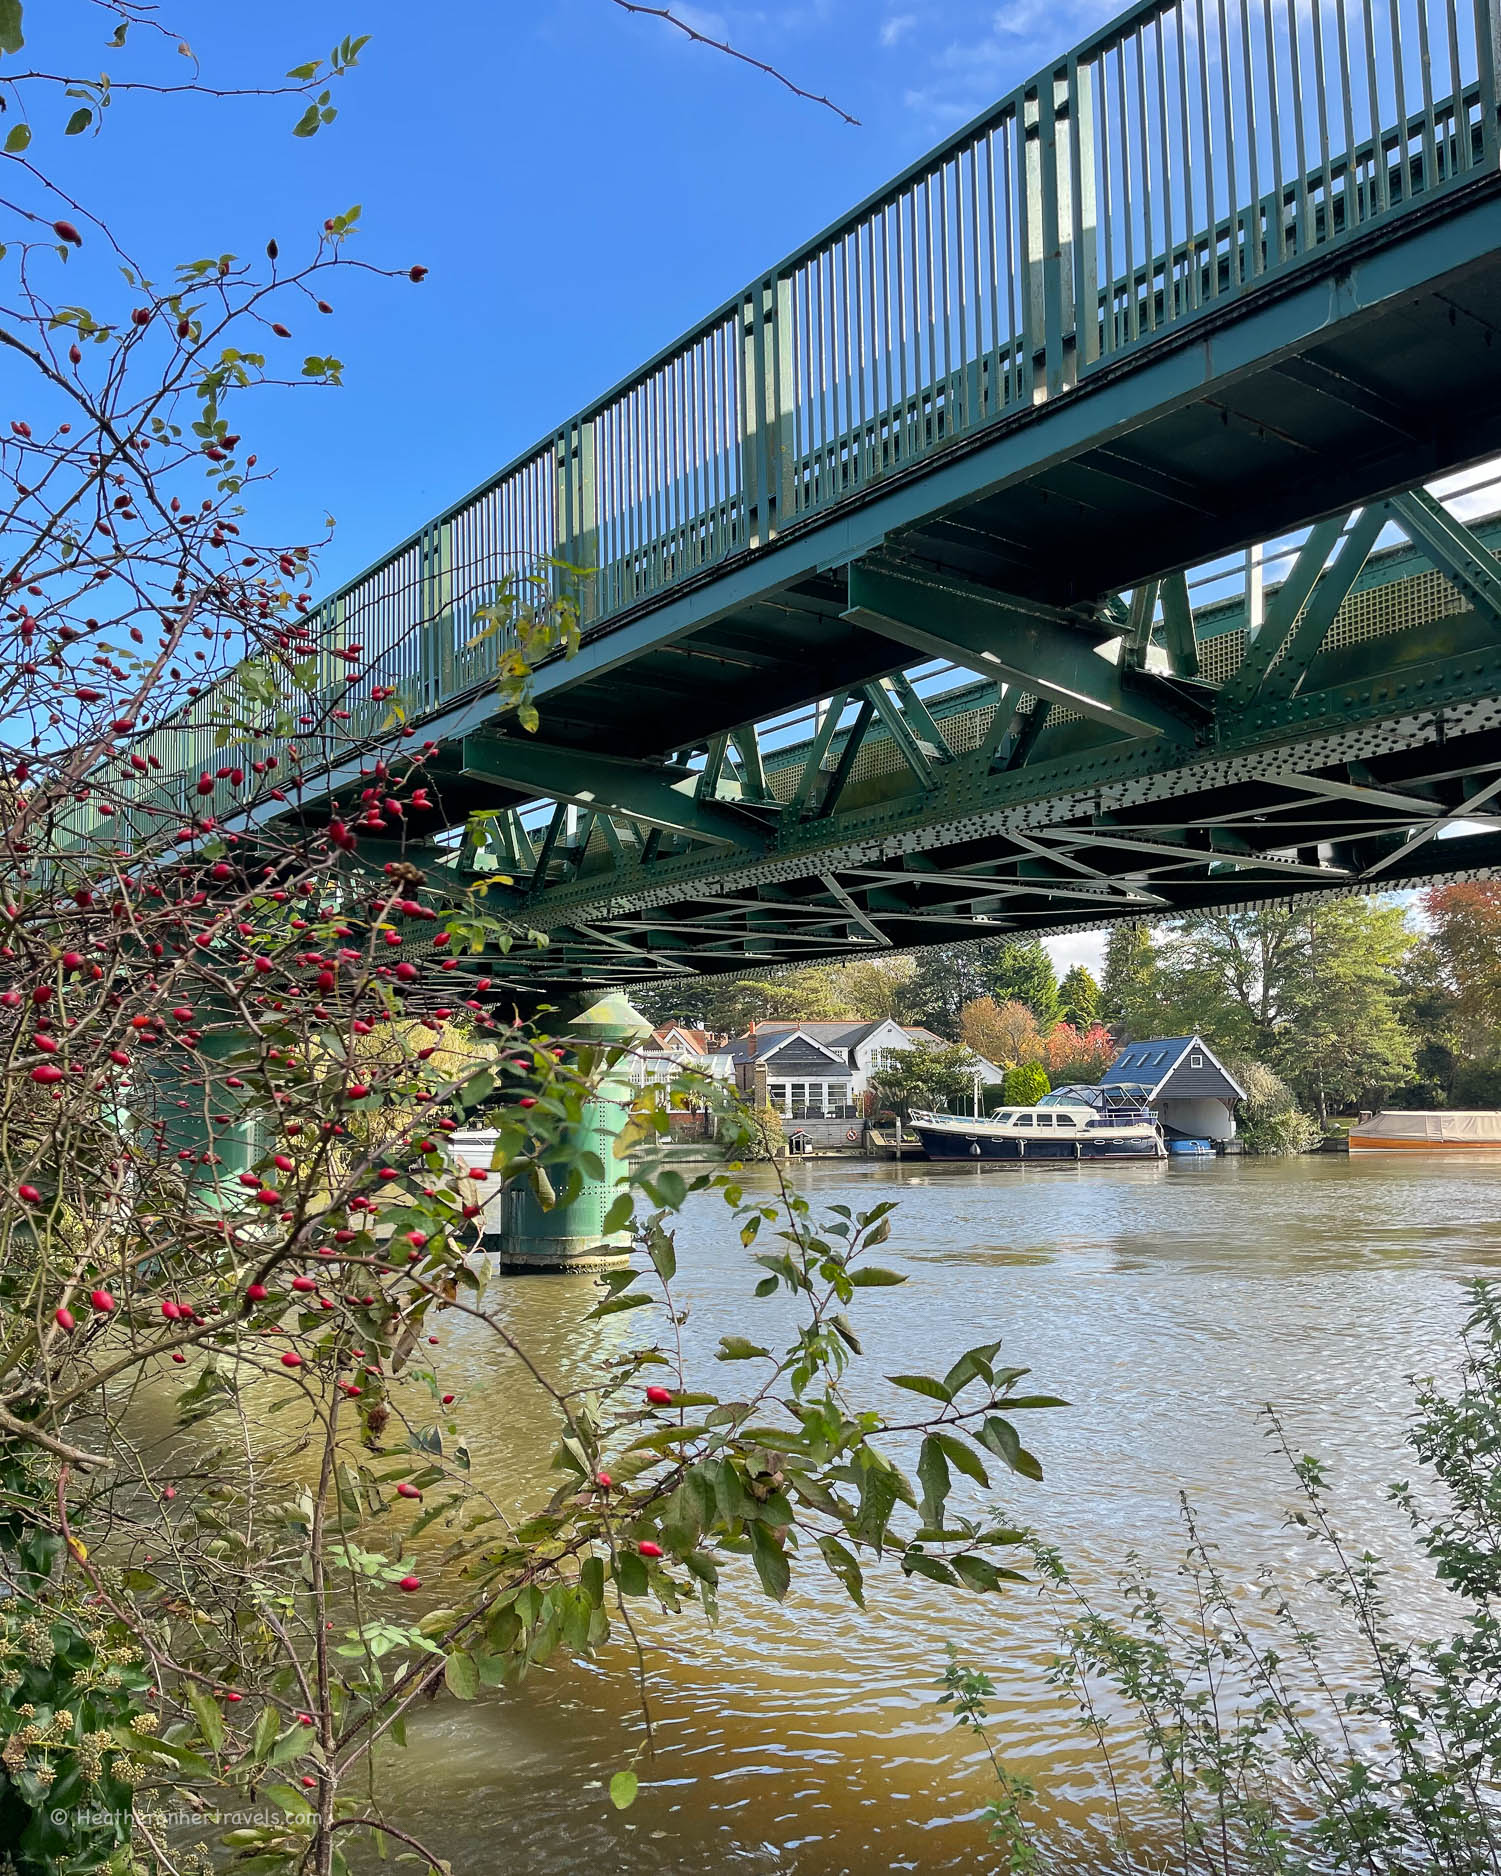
pixel 921 1384
pixel 17 140
pixel 919 1563
pixel 736 1348
pixel 1001 1438
pixel 79 121
pixel 623 1789
pixel 306 125
pixel 933 1476
pixel 960 1455
pixel 977 1573
pixel 663 1254
pixel 974 1362
pixel 872 1277
pixel 619 1214
pixel 264 1736
pixel 461 1675
pixel 11 37
pixel 630 1573
pixel 844 1565
pixel 771 1562
pixel 210 1719
pixel 592 1579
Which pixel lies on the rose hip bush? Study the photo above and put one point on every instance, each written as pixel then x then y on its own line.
pixel 244 1004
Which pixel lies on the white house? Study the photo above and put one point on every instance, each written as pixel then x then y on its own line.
pixel 827 1068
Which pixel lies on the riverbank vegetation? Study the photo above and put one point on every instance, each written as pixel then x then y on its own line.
pixel 1321 1005
pixel 1224 1713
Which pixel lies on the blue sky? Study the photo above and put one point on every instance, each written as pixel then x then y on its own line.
pixel 583 185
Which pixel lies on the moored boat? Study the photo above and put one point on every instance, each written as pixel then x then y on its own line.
pixel 1055 1129
pixel 1432 1131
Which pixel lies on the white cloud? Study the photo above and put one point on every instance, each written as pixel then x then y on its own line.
pixel 897 27
pixel 1077 947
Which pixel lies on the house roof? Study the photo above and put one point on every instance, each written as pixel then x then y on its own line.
pixel 1149 1064
pixel 840 1035
pixel 769 1037
pixel 696 1039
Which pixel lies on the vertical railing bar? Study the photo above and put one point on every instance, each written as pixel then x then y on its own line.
pixel 1211 220
pixel 1000 212
pixel 1305 233
pixel 861 351
pixel 1399 86
pixel 1112 337
pixel 1379 178
pixel 1170 306
pixel 1148 238
pixel 888 337
pixel 930 310
pixel 1086 306
pixel 1253 231
pixel 1464 148
pixel 1320 79
pixel 1190 216
pixel 1430 121
pixel 977 374
pixel 914 313
pixel 1132 308
pixel 1235 258
pixel 1353 211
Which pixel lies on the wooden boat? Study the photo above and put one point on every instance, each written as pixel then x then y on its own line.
pixel 1052 1130
pixel 1397 1130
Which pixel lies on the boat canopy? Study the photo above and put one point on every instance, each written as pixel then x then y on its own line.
pixel 1457 1126
pixel 1121 1094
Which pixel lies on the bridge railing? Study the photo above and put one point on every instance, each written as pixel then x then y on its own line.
pixel 1180 158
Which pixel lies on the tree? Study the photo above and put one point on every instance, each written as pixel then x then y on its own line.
pixel 1079 998
pixel 1001 1033
pixel 925 1080
pixel 731 1004
pixel 1020 970
pixel 1465 947
pixel 1025 1085
pixel 233 1235
pixel 1070 1056
pixel 945 979
pixel 875 989
pixel 1341 1036
pixel 1270 1120
pixel 1128 989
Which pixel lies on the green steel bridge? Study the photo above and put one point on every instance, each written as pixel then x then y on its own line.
pixel 1049 541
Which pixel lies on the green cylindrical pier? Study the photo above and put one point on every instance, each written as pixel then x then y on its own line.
pixel 572 1237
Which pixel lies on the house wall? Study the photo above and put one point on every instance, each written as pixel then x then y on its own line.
pixel 1188 1083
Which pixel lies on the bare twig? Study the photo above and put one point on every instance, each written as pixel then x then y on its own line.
pixel 733 52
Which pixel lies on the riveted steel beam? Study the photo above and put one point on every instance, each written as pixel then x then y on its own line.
pixel 1054 654
pixel 1452 548
pixel 661 797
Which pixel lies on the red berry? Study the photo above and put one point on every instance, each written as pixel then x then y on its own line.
pixel 659 1396
pixel 303 1284
pixel 603 1481
pixel 649 1549
pixel 172 1311
pixel 405 1490
pixel 64 1320
pixel 65 231
pixel 256 1293
pixel 46 1072
pixel 291 1359
pixel 28 1195
pixel 409 1583
pixel 102 1301
pixel 449 1399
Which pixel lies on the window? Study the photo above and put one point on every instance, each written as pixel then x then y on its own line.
pixel 1066 1120
pixel 1024 1120
pixel 1002 1120
pixel 776 1094
pixel 1196 1061
pixel 1044 1120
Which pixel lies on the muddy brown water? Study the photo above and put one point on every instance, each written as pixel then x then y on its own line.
pixel 1166 1302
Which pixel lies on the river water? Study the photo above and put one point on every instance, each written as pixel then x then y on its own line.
pixel 1166 1302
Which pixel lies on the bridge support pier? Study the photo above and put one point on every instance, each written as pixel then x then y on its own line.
pixel 572 1236
pixel 196 1115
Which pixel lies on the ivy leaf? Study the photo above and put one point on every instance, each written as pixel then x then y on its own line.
pixel 623 1789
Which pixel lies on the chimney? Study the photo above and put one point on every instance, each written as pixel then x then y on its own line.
pixel 752 1050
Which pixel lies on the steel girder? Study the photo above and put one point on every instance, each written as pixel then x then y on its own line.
pixel 1371 763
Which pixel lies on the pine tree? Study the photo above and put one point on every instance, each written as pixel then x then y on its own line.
pixel 1128 991
pixel 1019 970
pixel 1079 998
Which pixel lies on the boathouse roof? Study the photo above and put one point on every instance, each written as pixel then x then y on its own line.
pixel 1187 1062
